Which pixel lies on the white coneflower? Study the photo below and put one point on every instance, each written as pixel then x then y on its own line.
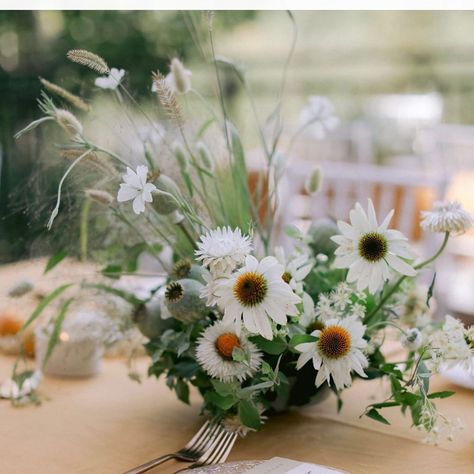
pixel 256 294
pixel 336 352
pixel 318 116
pixel 370 250
pixel 112 80
pixel 68 122
pixel 222 249
pixel 179 78
pixel 136 188
pixel 214 353
pixel 100 196
pixel 447 217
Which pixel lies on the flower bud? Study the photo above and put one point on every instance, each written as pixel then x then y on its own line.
pixel 163 202
pixel 99 196
pixel 20 288
pixel 69 123
pixel 181 155
pixel 412 340
pixel 183 300
pixel 205 158
pixel 313 181
pixel 181 76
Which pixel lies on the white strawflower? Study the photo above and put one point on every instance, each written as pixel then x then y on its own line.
pixel 318 116
pixel 412 340
pixel 112 80
pixel 296 268
pixel 447 217
pixel 135 187
pixel 214 353
pixel 209 291
pixel 257 294
pixel 337 352
pixel 371 250
pixel 222 249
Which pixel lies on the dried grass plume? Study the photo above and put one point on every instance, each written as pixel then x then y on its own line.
pixel 88 59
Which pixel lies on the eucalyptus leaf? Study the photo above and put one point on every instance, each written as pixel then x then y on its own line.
pixel 249 415
pixel 54 260
pixel 375 415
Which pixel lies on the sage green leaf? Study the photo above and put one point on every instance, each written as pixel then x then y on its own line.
pixel 54 260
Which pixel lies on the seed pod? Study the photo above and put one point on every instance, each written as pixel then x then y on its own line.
pixel 99 196
pixel 180 154
pixel 185 268
pixel 148 319
pixel 205 158
pixel 184 302
pixel 321 232
pixel 163 203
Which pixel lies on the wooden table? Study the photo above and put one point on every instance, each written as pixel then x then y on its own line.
pixel 109 423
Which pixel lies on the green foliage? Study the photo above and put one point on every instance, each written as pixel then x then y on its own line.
pixel 55 260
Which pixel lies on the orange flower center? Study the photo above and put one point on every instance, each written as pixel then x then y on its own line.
pixel 334 342
pixel 250 288
pixel 226 343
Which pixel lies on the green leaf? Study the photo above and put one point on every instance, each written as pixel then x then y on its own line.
pixel 273 347
pixel 375 415
pixel 44 303
pixel 444 394
pixel 112 271
pixel 408 398
pixel 429 295
pixel 223 388
pixel 385 404
pixel 204 127
pixel 58 322
pixel 223 402
pixel 247 391
pixel 182 391
pixel 302 338
pixel 239 355
pixel 54 260
pixel 249 415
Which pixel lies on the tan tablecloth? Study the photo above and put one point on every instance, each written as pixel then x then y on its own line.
pixel 109 423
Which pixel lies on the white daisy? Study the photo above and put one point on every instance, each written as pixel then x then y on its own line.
pixel 370 250
pixel 337 352
pixel 111 81
pixel 214 353
pixel 135 187
pixel 318 116
pixel 296 268
pixel 222 249
pixel 447 217
pixel 257 294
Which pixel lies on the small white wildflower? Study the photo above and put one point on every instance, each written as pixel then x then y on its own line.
pixel 296 268
pixel 112 80
pixel 135 187
pixel 318 116
pixel 447 217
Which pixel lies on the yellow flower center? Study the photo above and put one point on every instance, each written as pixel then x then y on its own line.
pixel 286 277
pixel 226 343
pixel 373 246
pixel 334 342
pixel 250 288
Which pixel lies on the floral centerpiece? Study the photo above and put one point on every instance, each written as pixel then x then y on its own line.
pixel 256 328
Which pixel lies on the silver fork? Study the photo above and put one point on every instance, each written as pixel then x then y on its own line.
pixel 197 447
pixel 217 453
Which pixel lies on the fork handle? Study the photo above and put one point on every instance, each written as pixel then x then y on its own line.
pixel 150 464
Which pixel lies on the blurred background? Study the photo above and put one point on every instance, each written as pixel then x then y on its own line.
pixel 402 84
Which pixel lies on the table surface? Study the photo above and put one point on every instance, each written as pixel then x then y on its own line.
pixel 108 424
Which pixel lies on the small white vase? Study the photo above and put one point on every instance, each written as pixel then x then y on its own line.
pixel 70 358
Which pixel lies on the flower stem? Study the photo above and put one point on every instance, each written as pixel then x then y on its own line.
pixel 84 225
pixel 402 278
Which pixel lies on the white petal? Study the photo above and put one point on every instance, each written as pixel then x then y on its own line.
pixel 371 214
pixel 126 193
pixel 138 204
pixel 399 265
